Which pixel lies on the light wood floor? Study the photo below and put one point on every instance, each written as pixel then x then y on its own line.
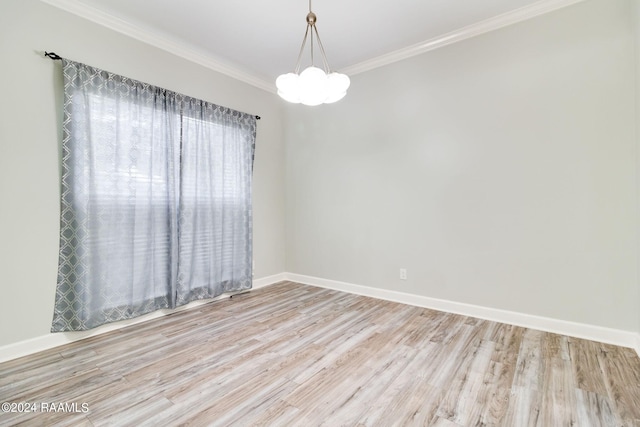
pixel 291 354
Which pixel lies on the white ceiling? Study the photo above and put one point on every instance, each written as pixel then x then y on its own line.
pixel 258 40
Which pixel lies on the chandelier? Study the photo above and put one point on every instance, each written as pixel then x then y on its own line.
pixel 313 86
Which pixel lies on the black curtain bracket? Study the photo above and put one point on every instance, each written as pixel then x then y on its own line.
pixel 53 56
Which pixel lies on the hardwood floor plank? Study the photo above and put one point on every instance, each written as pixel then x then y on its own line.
pixel 594 410
pixel 464 401
pixel 279 413
pixel 586 367
pixel 558 394
pixel 409 399
pixel 296 355
pixel 341 351
pixel 443 422
pixel 523 408
pixel 452 356
pixel 134 414
pixel 363 389
pixel 624 394
pixel 529 365
pixel 28 363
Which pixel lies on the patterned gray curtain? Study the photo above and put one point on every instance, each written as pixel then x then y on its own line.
pixel 156 199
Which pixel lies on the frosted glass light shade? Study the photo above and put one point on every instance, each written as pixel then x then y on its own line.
pixel 335 98
pixel 289 87
pixel 312 87
pixel 338 85
pixel 339 82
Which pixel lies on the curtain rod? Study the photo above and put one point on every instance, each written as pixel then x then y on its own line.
pixel 55 57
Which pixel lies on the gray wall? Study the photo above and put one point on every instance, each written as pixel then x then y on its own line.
pixel 500 171
pixel 30 132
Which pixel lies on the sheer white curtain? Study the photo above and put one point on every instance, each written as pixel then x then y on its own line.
pixel 156 199
pixel 215 215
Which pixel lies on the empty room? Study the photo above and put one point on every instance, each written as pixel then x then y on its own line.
pixel 305 213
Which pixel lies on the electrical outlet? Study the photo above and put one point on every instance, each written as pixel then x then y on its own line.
pixel 403 274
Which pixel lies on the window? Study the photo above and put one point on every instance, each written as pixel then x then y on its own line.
pixel 156 199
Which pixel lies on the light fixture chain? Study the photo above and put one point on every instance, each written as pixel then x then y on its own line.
pixel 313 27
pixel 304 41
pixel 322 52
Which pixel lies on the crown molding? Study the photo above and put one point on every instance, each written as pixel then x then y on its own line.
pixel 157 40
pixel 491 24
pixel 207 60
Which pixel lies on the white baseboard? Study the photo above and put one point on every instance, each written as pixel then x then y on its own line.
pixel 578 330
pixel 269 280
pixel 46 342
